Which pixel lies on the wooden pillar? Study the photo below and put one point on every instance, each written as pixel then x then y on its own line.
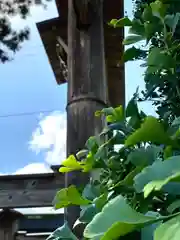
pixel 87 87
pixel 9 224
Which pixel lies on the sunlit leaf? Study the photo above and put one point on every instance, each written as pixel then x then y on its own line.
pixel 123 22
pixel 151 130
pixel 116 219
pixel 170 230
pixel 70 164
pixel 69 196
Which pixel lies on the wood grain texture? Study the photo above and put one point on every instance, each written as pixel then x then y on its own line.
pixel 37 190
pixel 87 89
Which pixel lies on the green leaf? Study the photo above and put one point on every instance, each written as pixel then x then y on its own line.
pixel 159 170
pixel 70 164
pixel 168 151
pixel 137 28
pixel 119 113
pixel 100 201
pixel 123 22
pixel 160 60
pixel 147 14
pixel 91 191
pixel 116 219
pixel 173 206
pixel 63 232
pixel 87 214
pixel 158 9
pixel 69 196
pixel 144 156
pixel 170 230
pixel 92 144
pixel 176 122
pixel 132 54
pixel 172 21
pixel 151 130
pixel 131 39
pixel 158 184
pixel 132 108
pixel 129 179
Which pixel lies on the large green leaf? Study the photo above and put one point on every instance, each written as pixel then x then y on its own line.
pixel 151 130
pixel 158 184
pixel 169 230
pixel 63 232
pixel 144 156
pixel 159 170
pixel 69 196
pixel 116 219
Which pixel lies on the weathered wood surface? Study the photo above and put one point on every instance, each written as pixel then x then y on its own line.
pixel 114 52
pixel 9 224
pixel 113 46
pixel 36 190
pixel 87 88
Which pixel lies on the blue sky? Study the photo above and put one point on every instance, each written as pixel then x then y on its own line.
pixel 28 85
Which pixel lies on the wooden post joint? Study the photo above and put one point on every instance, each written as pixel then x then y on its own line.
pixel 86 12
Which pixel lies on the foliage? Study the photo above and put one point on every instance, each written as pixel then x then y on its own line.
pixel 138 167
pixel 163 34
pixel 10 39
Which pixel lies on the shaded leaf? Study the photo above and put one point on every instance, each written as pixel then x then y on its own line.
pixel 159 170
pixel 129 179
pixel 63 232
pixel 131 39
pixel 133 54
pixel 158 9
pixel 172 21
pixel 69 196
pixel 158 184
pixel 144 156
pixel 87 214
pixel 173 206
pixel 160 60
pixel 132 108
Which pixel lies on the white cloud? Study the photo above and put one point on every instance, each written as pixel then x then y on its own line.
pixel 50 137
pixel 34 168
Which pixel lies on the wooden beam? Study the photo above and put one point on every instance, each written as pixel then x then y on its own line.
pixel 36 190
